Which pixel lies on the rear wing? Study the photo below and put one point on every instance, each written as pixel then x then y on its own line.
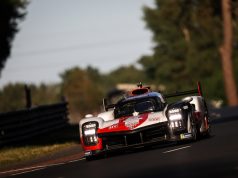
pixel 198 91
pixel 107 106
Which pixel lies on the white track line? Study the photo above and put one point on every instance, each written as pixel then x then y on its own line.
pixel 181 148
pixel 23 169
pixel 29 169
pixel 27 172
pixel 77 160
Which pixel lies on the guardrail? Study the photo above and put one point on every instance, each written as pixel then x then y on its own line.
pixel 24 124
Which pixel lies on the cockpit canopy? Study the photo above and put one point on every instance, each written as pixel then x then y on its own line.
pixel 139 106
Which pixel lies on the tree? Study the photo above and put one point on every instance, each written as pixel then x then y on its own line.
pixel 126 74
pixel 187 35
pixel 12 97
pixel 11 12
pixel 226 54
pixel 82 93
pixel 45 94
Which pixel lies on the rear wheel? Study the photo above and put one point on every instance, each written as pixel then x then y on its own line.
pixel 207 121
pixel 208 127
pixel 194 132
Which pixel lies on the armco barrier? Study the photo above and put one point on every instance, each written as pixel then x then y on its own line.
pixel 24 124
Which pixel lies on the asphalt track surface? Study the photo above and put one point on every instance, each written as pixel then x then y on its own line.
pixel 216 156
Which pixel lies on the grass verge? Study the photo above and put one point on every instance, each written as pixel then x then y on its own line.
pixel 44 145
pixel 11 156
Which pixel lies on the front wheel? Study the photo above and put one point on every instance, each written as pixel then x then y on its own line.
pixel 192 129
pixel 95 157
pixel 90 158
pixel 194 132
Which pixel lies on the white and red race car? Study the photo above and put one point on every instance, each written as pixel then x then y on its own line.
pixel 144 117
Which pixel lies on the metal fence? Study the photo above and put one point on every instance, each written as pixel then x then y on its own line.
pixel 24 124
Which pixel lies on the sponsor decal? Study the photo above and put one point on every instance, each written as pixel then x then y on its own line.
pixel 185 136
pixel 154 118
pixel 132 122
pixel 181 136
pixel 113 126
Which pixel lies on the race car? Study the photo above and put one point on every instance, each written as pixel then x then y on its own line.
pixel 143 117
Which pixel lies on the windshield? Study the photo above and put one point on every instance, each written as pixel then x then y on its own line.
pixel 138 106
pixel 144 106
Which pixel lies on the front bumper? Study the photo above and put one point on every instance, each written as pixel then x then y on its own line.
pixel 145 136
pixel 135 138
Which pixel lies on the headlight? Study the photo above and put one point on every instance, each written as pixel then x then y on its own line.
pixel 89 130
pixel 175 114
pixel 175 118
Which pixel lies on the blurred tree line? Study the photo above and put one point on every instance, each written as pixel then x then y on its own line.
pixel 84 90
pixel 187 35
pixel 12 96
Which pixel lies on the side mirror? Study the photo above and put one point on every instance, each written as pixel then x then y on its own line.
pixel 104 102
pixel 107 106
pixel 88 115
pixel 188 99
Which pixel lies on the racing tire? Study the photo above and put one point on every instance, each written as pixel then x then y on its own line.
pixel 192 128
pixel 208 132
pixel 95 157
pixel 89 158
pixel 194 132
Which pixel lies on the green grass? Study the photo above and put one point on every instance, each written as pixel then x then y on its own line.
pixel 11 155
pixel 14 155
